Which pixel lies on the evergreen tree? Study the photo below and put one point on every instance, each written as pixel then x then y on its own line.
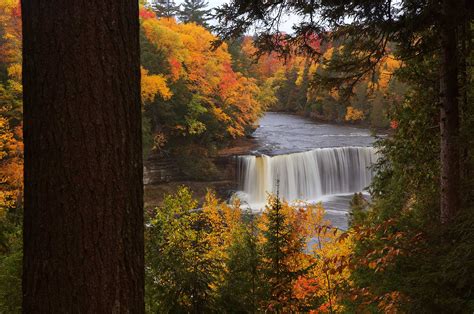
pixel 194 11
pixel 164 8
pixel 239 292
pixel 280 247
pixel 358 208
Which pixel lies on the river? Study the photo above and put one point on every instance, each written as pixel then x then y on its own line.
pixel 307 161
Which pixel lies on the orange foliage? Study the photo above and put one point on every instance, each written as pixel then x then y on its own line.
pixel 305 287
pixel 270 63
pixel 227 95
pixel 386 69
pixel 11 135
pixel 228 79
pixel 11 166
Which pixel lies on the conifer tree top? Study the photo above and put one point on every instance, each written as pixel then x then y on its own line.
pixel 195 11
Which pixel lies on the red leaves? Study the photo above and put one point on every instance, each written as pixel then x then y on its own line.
pixel 305 287
pixel 394 124
pixel 313 41
pixel 146 14
pixel 16 12
pixel 228 79
pixel 175 68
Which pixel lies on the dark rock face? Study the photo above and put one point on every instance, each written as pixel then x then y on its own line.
pixel 162 170
pixel 159 170
pixel 227 166
pixel 163 175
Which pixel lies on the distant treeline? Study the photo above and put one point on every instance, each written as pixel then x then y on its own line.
pixel 299 84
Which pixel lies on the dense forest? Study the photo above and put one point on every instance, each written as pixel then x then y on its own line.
pixel 292 81
pixel 404 68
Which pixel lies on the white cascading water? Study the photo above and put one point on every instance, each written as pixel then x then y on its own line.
pixel 306 176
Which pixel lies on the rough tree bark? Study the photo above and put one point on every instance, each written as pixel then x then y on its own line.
pixel 449 119
pixel 83 225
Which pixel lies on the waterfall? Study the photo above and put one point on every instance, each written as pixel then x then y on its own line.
pixel 307 175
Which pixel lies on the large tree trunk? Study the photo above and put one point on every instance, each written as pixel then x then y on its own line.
pixel 449 123
pixel 83 225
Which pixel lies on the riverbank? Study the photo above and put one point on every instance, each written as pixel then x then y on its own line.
pixel 155 194
pixel 164 178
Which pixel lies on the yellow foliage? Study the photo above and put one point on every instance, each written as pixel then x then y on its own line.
pixel 248 47
pixel 165 38
pixel 220 115
pixel 11 166
pixel 353 114
pixel 11 145
pixel 15 75
pixel 388 66
pixel 327 55
pixel 331 255
pixel 327 258
pixel 223 220
pixel 300 77
pixel 313 68
pixel 153 85
pixel 10 20
pixel 8 4
pixel 14 72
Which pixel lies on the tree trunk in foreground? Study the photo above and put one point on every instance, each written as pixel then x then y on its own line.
pixel 83 225
pixel 449 123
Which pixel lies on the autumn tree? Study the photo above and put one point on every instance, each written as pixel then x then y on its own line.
pixel 195 102
pixel 83 224
pixel 186 252
pixel 179 267
pixel 195 11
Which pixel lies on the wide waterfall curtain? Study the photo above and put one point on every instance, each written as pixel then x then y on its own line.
pixel 308 175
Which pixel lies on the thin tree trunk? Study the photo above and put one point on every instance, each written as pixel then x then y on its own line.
pixel 83 224
pixel 449 123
